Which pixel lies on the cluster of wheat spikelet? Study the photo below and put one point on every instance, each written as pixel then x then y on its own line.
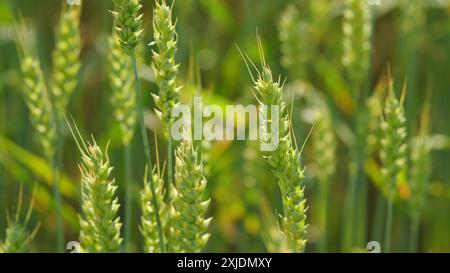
pixel 100 223
pixel 164 65
pixel 148 228
pixel 66 63
pixel 357 31
pixel 18 237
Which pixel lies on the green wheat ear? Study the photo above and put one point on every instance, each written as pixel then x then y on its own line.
pixel 285 161
pixel 368 127
pixel 324 143
pixel 18 237
pixel 164 66
pixel 148 228
pixel 394 140
pixel 188 223
pixel 35 92
pixel 129 19
pixel 295 42
pixel 123 97
pixel 100 223
pixel 66 64
pixel 357 32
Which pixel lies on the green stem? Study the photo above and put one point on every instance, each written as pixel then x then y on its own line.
pixel 2 172
pixel 350 215
pixel 414 235
pixel 57 198
pixel 361 207
pixel 378 223
pixel 147 152
pixel 128 197
pixel 388 229
pixel 170 173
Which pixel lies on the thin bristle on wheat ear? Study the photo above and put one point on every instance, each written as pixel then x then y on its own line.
pixel 100 223
pixel 164 65
pixel 285 161
pixel 66 64
pixel 189 224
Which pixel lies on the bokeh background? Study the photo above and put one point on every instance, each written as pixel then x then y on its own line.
pixel 240 184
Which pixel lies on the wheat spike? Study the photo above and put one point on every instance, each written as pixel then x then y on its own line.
pixel 66 63
pixel 100 223
pixel 285 161
pixel 356 43
pixel 148 228
pixel 129 19
pixel 188 221
pixel 164 66
pixel 123 97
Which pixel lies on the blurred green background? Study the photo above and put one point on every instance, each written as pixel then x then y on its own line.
pixel 240 183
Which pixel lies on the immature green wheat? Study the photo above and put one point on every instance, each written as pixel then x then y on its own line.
pixel 285 161
pixel 393 150
pixel 100 223
pixel 18 237
pixel 324 144
pixel 123 97
pixel 164 65
pixel 36 94
pixel 66 64
pixel 129 21
pixel 129 24
pixel 368 128
pixel 420 174
pixel 295 45
pixel 356 42
pixel 324 148
pixel 149 229
pixel 189 224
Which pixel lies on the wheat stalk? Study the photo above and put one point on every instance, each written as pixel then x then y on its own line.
pixel 66 64
pixel 393 150
pixel 324 148
pixel 420 175
pixel 123 100
pixel 285 161
pixel 189 224
pixel 41 112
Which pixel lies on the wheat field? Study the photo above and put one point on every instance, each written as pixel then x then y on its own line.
pixel 352 92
